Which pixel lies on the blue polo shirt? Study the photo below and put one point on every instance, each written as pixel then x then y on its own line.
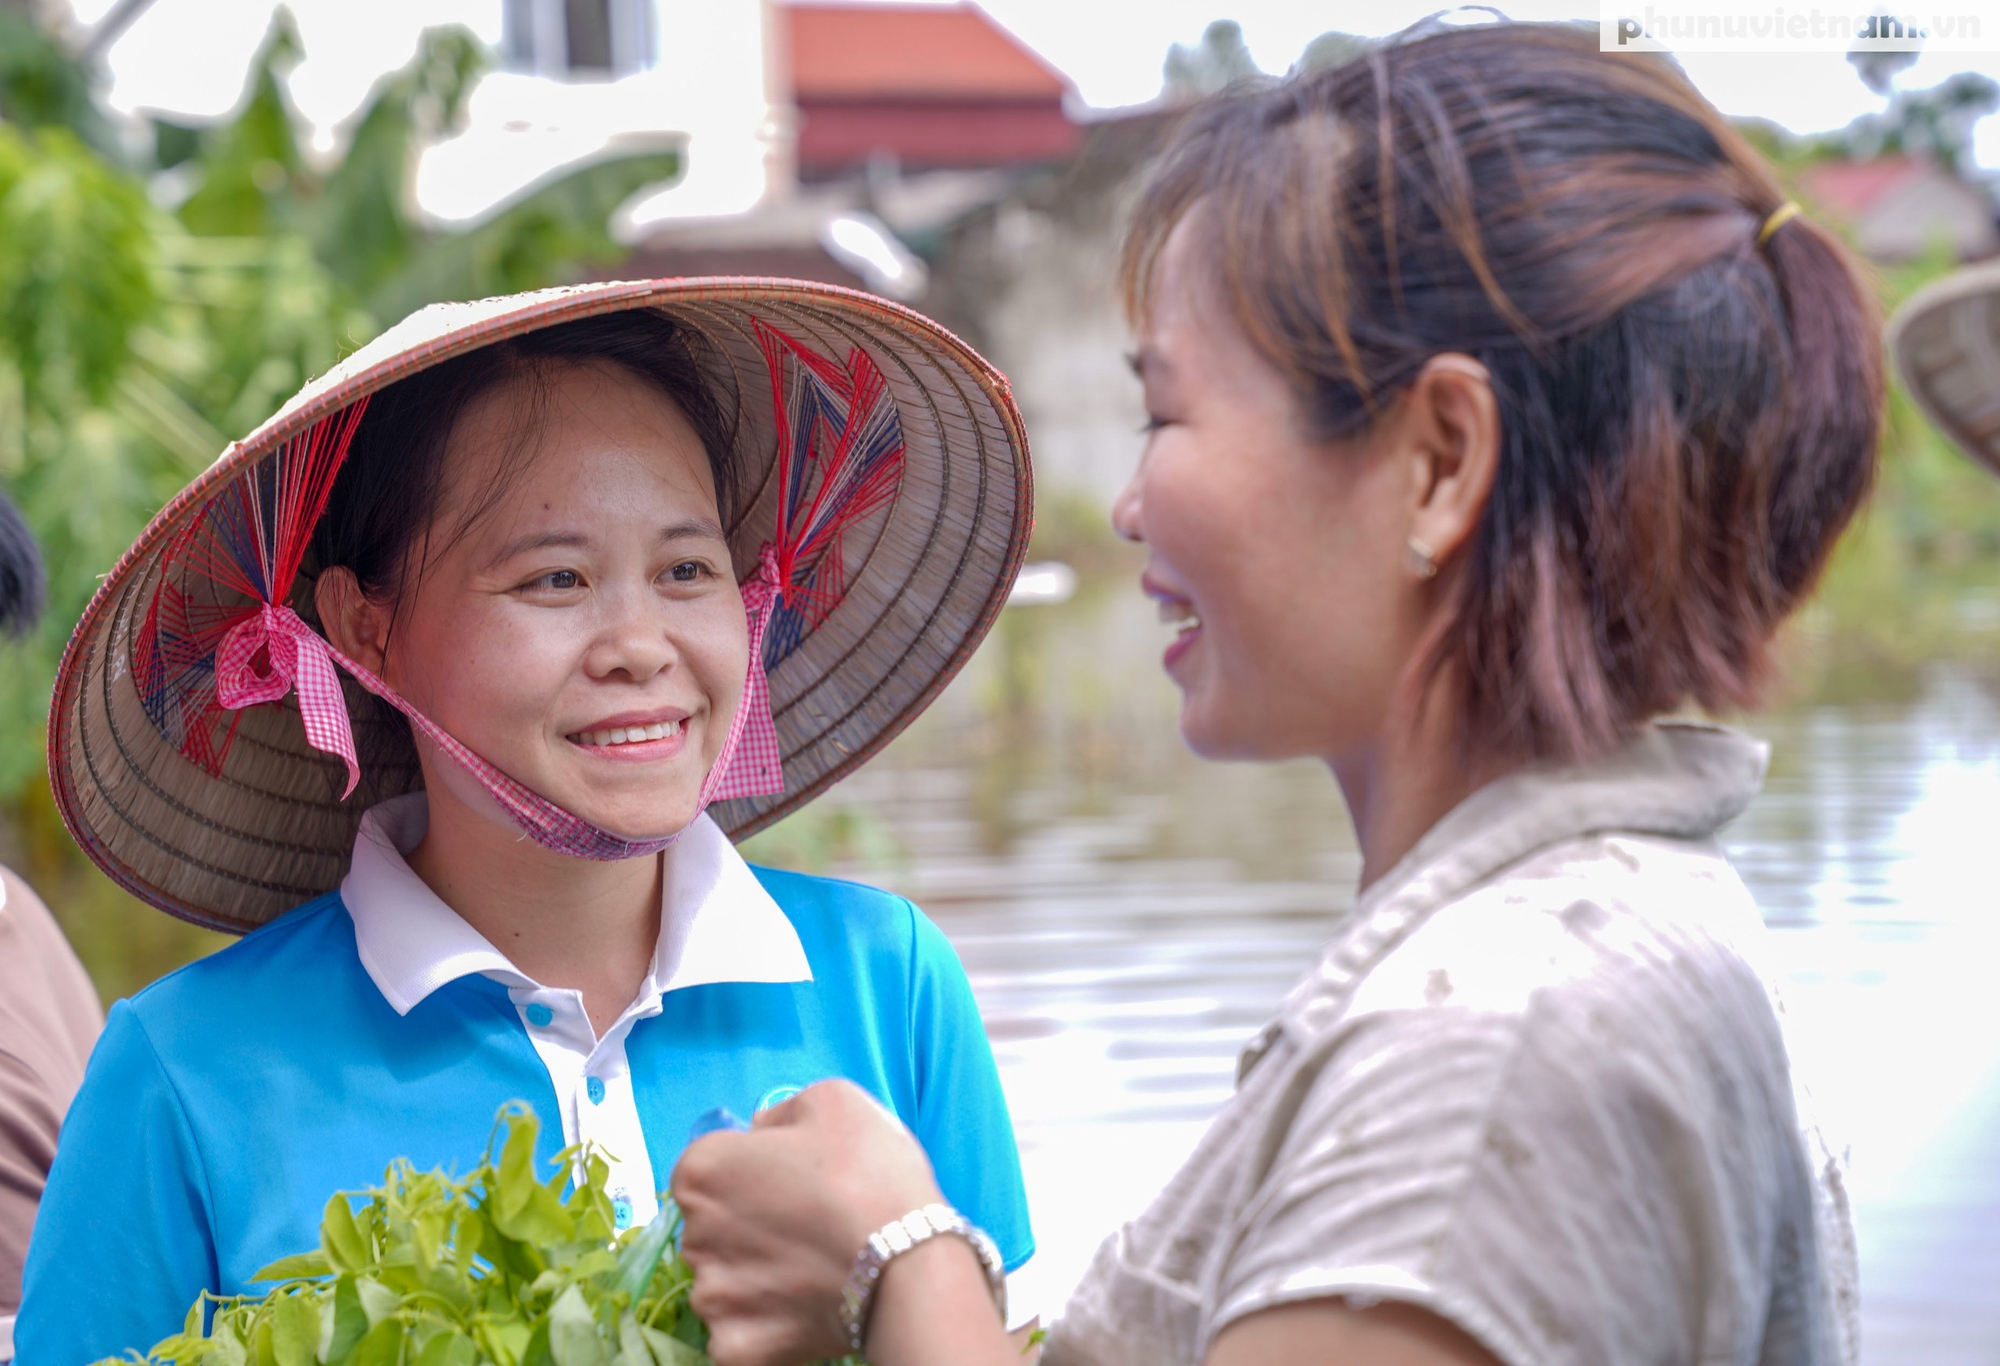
pixel 227 1101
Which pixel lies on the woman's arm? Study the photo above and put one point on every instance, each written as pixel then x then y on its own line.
pixel 774 1220
pixel 1334 1333
pixel 775 1217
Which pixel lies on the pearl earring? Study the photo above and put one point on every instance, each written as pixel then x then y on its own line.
pixel 1423 562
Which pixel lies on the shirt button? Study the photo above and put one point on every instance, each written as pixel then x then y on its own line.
pixel 594 1088
pixel 621 1213
pixel 540 1015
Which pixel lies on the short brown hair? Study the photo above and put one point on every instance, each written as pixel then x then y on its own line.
pixel 1689 417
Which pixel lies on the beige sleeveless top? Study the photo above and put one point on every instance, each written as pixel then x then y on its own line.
pixel 1537 1084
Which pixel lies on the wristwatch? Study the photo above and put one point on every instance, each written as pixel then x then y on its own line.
pixel 892 1240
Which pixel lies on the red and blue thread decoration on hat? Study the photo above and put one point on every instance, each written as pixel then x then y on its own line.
pixel 247 545
pixel 834 421
pixel 201 658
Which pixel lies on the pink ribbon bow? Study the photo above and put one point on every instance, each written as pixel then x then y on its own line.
pixel 749 765
pixel 273 652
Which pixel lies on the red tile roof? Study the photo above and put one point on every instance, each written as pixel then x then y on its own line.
pixel 1851 187
pixel 839 135
pixel 872 52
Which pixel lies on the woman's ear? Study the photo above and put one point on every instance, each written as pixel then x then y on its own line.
pixel 1452 422
pixel 357 627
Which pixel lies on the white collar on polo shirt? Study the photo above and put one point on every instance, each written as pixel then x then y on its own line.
pixel 717 923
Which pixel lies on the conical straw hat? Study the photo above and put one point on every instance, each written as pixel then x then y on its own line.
pixel 1946 343
pixel 235 841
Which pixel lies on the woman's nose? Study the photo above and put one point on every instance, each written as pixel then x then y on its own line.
pixel 1125 519
pixel 631 641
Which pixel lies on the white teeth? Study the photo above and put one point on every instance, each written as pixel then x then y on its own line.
pixel 1174 612
pixel 627 735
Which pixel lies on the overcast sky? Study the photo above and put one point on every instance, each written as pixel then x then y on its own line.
pixel 188 56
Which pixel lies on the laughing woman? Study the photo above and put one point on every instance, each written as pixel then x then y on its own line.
pixel 589 561
pixel 1501 407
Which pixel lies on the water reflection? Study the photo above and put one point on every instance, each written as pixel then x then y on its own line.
pixel 1871 852
pixel 1129 916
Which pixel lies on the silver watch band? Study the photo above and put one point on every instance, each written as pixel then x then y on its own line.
pixel 892 1240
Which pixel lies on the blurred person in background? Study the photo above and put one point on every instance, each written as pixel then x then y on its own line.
pixel 49 1012
pixel 1501 408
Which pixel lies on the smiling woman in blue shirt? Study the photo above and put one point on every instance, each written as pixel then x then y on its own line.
pixel 611 573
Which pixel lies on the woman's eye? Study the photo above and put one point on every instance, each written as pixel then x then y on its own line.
pixel 559 581
pixel 688 571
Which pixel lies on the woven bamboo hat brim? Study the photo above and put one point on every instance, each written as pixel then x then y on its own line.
pixel 925 577
pixel 1946 343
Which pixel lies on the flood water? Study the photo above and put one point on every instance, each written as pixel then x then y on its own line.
pixel 1130 915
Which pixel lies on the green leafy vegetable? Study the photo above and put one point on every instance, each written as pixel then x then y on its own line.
pixel 496 1268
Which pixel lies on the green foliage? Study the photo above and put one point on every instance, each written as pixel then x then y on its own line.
pixel 41 87
pixel 79 278
pixel 75 266
pixel 247 165
pixel 356 219
pixel 1218 61
pixel 1936 122
pixel 498 1268
pixel 1332 48
pixel 542 235
pixel 250 178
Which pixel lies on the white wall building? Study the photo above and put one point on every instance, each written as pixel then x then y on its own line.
pixel 585 76
pixel 577 78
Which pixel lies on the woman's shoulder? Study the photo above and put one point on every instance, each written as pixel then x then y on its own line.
pixel 855 908
pixel 1618 965
pixel 1620 918
pixel 838 918
pixel 1613 979
pixel 282 966
pixel 814 897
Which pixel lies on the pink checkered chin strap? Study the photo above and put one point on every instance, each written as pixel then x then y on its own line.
pixel 198 665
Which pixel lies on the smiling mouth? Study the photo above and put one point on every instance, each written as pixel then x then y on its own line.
pixel 1175 612
pixel 625 735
